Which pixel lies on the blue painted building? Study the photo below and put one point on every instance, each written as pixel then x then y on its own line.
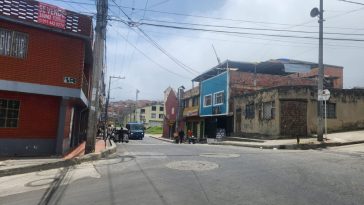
pixel 214 95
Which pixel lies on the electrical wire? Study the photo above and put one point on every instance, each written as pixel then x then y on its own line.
pixel 155 44
pixel 149 58
pixel 215 18
pixel 247 33
pixel 250 28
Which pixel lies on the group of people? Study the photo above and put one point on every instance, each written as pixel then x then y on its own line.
pixel 180 136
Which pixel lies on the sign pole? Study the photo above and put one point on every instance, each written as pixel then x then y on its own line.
pixel 325 119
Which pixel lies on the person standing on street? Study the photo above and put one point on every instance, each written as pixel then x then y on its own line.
pixel 189 136
pixel 181 135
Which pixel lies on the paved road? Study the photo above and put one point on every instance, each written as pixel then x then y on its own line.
pixel 155 172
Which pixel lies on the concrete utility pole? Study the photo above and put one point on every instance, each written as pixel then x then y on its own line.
pixel 320 75
pixel 320 13
pixel 179 105
pixel 98 64
pixel 136 104
pixel 108 98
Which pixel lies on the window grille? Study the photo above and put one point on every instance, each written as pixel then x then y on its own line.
pixel 12 43
pixel 9 113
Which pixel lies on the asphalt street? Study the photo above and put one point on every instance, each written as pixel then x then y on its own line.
pixel 156 172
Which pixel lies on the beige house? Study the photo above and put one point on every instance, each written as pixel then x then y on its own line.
pixel 151 115
pixel 292 110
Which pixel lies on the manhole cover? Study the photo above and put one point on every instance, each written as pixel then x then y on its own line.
pixel 192 165
pixel 219 155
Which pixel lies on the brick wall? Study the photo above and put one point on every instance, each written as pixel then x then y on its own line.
pixel 243 82
pixel 50 58
pixel 336 72
pixel 171 102
pixel 38 116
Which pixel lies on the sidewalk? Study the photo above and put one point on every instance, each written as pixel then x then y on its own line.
pixel 159 137
pixel 21 165
pixel 335 139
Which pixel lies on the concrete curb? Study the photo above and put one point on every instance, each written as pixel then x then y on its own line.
pixel 62 163
pixel 291 146
pixel 162 139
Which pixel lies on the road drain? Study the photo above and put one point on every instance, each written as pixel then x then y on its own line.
pixel 192 165
pixel 219 155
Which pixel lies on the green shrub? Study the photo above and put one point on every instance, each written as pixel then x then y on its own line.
pixel 154 130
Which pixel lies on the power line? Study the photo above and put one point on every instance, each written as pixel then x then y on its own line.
pixel 221 19
pixel 150 59
pixel 174 59
pixel 297 43
pixel 249 28
pixel 155 44
pixel 244 33
pixel 352 2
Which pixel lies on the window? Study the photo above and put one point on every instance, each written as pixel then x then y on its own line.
pixel 330 110
pixel 219 98
pixel 207 100
pixel 154 108
pixel 249 111
pixel 161 109
pixel 153 115
pixel 161 116
pixel 9 113
pixel 142 111
pixel 12 43
pixel 268 111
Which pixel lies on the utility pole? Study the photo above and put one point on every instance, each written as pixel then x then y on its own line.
pixel 320 75
pixel 108 99
pixel 98 64
pixel 136 104
pixel 179 105
pixel 320 12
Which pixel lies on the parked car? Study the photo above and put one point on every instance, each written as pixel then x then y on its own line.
pixel 135 130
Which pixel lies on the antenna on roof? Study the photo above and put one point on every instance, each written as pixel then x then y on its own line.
pixel 218 59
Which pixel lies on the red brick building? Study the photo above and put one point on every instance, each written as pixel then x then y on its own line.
pixel 170 115
pixel 45 67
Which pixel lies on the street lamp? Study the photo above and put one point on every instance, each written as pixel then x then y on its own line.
pixel 179 104
pixel 314 13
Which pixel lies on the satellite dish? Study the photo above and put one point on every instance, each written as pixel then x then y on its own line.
pixel 314 12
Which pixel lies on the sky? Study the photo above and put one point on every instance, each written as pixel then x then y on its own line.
pixel 151 58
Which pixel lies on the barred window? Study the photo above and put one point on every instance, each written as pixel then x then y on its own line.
pixel 330 110
pixel 153 115
pixel 219 98
pixel 268 110
pixel 249 111
pixel 9 113
pixel 12 43
pixel 207 100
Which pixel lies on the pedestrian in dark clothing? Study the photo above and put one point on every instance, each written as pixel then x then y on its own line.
pixel 181 135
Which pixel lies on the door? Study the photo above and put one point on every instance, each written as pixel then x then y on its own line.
pixel 238 120
pixel 293 118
